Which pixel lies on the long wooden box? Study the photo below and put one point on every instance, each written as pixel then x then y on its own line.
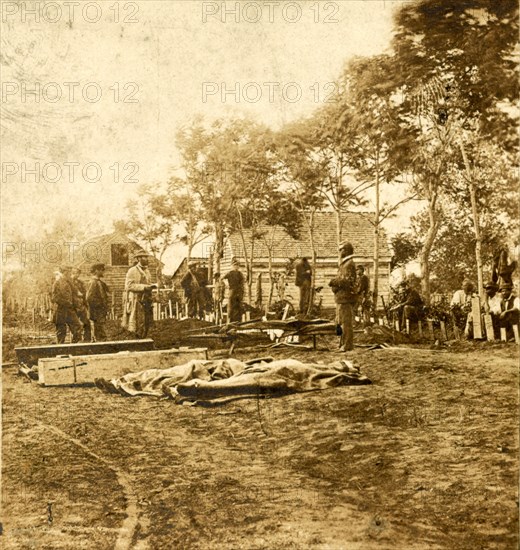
pixel 30 355
pixel 84 369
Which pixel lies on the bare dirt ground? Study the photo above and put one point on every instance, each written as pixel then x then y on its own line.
pixel 426 457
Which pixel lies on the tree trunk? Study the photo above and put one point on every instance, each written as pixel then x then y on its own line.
pixel 271 282
pixel 250 272
pixel 338 231
pixel 424 256
pixel 314 264
pixel 248 259
pixel 376 237
pixel 219 246
pixel 476 221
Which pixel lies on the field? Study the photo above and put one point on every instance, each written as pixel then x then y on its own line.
pixel 425 457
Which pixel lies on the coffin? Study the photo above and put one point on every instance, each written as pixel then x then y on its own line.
pixel 84 369
pixel 29 356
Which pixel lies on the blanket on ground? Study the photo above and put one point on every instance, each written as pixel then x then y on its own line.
pixel 219 381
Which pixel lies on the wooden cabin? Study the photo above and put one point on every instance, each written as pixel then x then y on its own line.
pixel 116 251
pixel 278 245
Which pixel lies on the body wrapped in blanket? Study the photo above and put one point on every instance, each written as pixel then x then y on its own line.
pixel 220 381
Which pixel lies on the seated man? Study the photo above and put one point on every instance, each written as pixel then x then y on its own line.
pixel 492 305
pixel 461 306
pixel 463 297
pixel 510 309
pixel 411 304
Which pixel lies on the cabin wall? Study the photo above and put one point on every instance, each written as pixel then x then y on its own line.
pixel 326 270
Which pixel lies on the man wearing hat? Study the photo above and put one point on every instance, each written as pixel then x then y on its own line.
pixel 303 281
pixel 462 300
pixel 192 290
pixel 492 298
pixel 235 281
pixel 345 294
pixel 137 297
pixel 97 300
pixel 66 300
pixel 509 309
pixel 82 311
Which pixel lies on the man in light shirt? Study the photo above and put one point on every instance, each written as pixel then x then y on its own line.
pixel 463 297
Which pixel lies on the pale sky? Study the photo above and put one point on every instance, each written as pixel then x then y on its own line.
pixel 163 61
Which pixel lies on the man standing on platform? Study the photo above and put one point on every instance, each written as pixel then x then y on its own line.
pixel 66 300
pixel 345 294
pixel 235 281
pixel 303 282
pixel 82 310
pixel 97 299
pixel 137 298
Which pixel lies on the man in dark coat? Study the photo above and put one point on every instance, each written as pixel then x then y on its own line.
pixel 411 305
pixel 345 294
pixel 235 281
pixel 303 282
pixel 363 299
pixel 82 310
pixel 510 309
pixel 97 299
pixel 66 300
pixel 192 289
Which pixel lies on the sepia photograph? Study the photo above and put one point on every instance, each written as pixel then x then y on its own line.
pixel 260 274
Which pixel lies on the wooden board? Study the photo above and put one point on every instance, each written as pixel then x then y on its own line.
pixel 430 329
pixel 444 334
pixel 84 369
pixel 517 336
pixel 488 323
pixel 477 320
pixel 30 355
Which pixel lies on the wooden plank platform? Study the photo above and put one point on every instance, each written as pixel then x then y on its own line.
pixel 84 369
pixel 30 355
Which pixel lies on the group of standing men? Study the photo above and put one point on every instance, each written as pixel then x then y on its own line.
pixel 197 291
pixel 78 306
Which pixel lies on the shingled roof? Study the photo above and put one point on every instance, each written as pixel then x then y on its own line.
pixel 103 242
pixel 356 228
